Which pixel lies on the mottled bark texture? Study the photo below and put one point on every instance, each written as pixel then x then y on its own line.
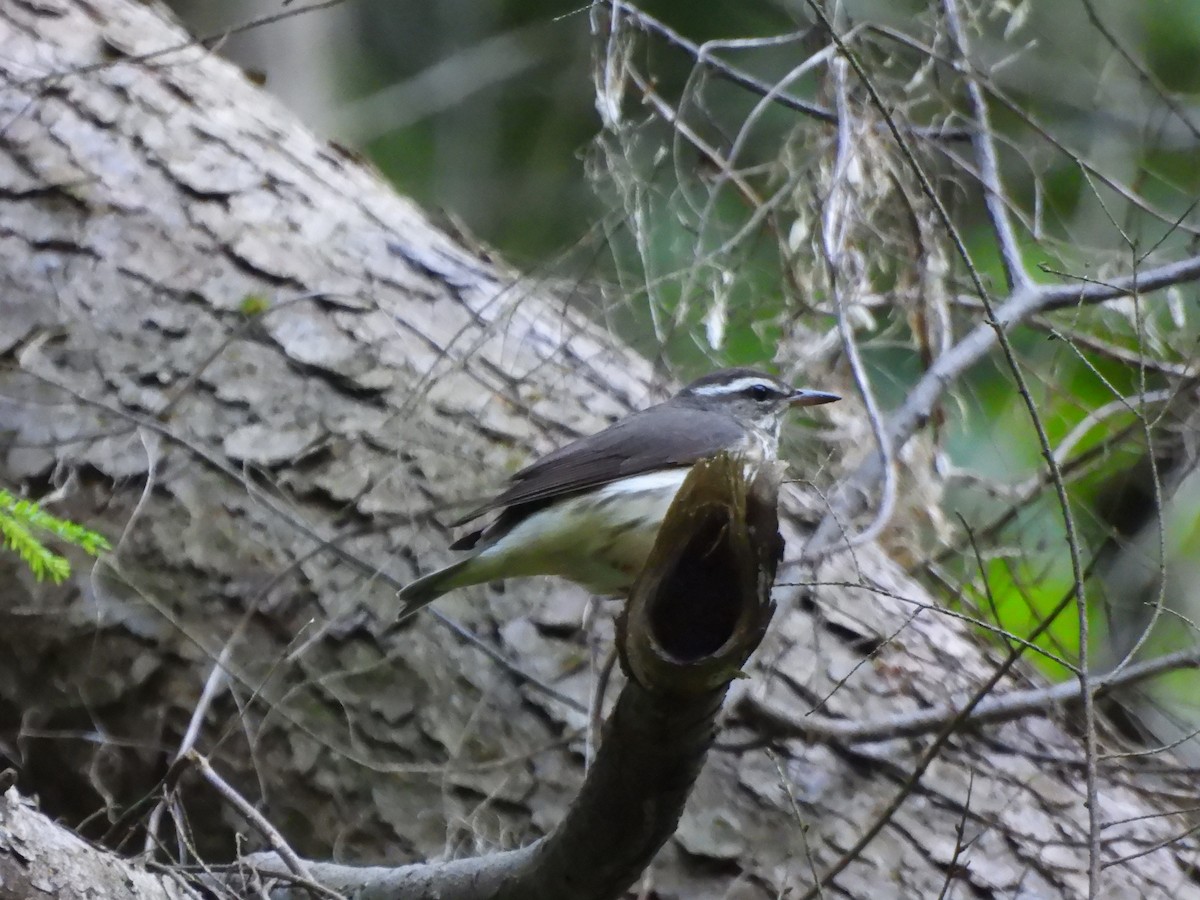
pixel 146 203
pixel 39 858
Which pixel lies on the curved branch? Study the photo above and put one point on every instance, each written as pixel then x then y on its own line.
pixel 1001 707
pixel 697 612
pixel 852 495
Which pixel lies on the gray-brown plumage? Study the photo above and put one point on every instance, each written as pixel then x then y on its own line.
pixel 589 511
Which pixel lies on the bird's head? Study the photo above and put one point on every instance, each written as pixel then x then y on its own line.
pixel 754 398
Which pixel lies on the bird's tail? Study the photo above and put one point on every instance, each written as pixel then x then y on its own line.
pixel 416 596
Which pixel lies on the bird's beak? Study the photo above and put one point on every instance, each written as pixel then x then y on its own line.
pixel 802 397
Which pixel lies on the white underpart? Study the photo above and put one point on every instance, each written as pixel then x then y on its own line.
pixel 599 539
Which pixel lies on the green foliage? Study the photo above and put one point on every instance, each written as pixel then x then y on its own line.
pixel 254 305
pixel 1020 590
pixel 22 524
pixel 1172 41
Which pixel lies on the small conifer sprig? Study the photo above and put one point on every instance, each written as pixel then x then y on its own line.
pixel 23 525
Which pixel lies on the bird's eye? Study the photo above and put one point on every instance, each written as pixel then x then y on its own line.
pixel 760 392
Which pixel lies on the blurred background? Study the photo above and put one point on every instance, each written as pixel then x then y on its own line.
pixel 686 211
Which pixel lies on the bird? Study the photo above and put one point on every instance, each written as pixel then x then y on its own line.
pixel 590 510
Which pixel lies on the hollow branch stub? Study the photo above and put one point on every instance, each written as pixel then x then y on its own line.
pixel 703 600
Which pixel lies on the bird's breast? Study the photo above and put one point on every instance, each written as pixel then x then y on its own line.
pixel 598 538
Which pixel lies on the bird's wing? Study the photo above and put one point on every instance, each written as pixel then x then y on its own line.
pixel 679 437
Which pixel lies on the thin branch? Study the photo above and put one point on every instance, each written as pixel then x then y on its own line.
pixel 1114 352
pixel 212 687
pixel 1034 124
pixel 1172 841
pixel 1095 417
pixel 834 229
pixel 984 144
pixel 207 42
pixel 786 784
pixel 995 709
pixel 727 171
pixel 850 498
pixel 1143 73
pixel 919 606
pixel 1022 496
pixel 1090 290
pixel 269 832
pixel 671 116
pixel 1017 277
pixel 703 56
pixel 940 740
pixel 953 869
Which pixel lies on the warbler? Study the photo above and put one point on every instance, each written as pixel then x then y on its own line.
pixel 589 511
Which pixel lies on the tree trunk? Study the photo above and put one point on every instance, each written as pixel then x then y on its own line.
pixel 266 377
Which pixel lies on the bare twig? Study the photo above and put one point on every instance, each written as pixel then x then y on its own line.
pixel 800 823
pixel 269 832
pixel 997 708
pixel 949 727
pixel 985 150
pixel 1143 73
pixel 212 686
pixel 207 42
pixel 1032 122
pixel 1173 840
pixel 834 228
pixel 953 870
pixel 703 56
pixel 984 144
pixel 851 496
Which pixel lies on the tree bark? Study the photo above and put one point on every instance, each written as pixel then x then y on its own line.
pixel 267 476
pixel 40 858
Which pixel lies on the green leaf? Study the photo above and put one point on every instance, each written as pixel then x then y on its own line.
pixel 20 524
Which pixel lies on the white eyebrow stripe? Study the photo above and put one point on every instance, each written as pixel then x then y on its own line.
pixel 735 387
